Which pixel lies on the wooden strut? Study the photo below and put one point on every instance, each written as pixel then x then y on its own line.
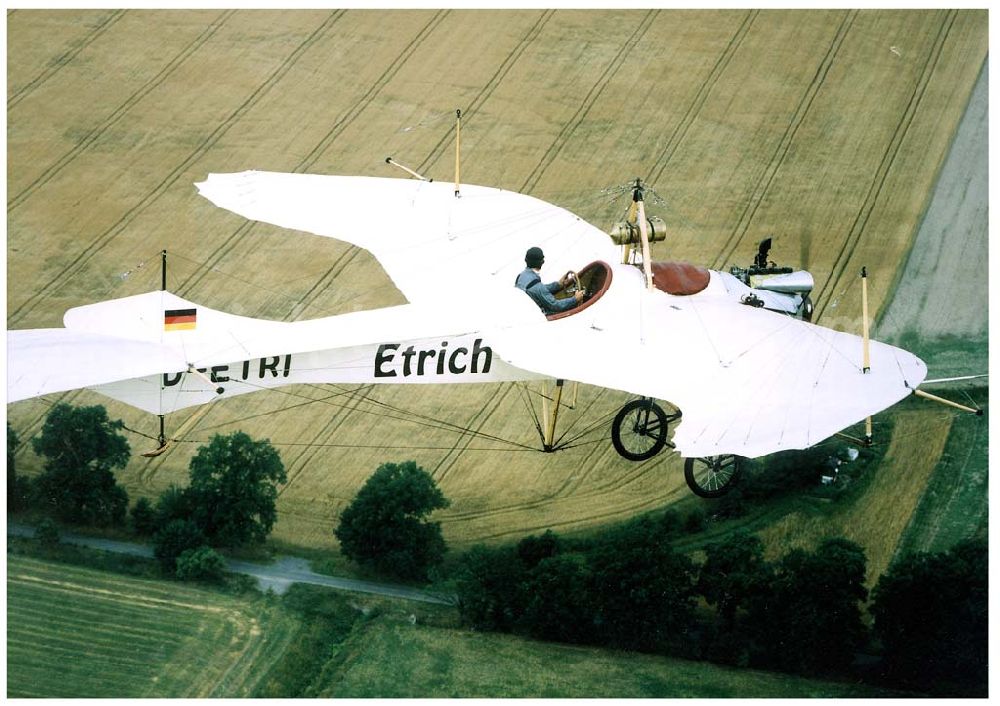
pixel 458 148
pixel 948 403
pixel 865 354
pixel 643 235
pixel 550 420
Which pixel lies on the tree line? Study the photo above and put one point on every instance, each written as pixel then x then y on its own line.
pixel 229 500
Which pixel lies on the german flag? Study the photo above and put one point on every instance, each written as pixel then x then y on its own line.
pixel 179 319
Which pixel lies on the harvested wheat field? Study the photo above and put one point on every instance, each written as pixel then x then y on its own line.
pixel 825 129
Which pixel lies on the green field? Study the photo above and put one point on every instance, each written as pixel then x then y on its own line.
pixel 394 659
pixel 77 632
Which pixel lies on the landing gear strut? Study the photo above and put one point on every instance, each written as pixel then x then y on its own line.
pixel 640 429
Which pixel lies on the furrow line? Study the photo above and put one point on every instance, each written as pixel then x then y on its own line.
pixel 784 145
pixel 119 112
pixel 342 123
pixel 83 257
pixel 588 102
pixel 874 193
pixel 64 59
pixel 681 129
pixel 488 89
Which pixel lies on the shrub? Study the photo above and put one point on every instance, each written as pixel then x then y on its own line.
pixel 200 564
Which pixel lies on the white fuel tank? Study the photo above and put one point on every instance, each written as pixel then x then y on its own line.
pixel 798 282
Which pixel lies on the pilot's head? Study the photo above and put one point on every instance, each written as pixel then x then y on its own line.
pixel 534 258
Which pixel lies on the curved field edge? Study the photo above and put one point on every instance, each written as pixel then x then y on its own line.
pixel 116 636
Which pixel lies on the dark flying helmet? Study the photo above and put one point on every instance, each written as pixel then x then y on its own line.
pixel 534 258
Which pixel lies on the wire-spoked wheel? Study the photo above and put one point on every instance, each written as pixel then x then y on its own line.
pixel 640 429
pixel 712 476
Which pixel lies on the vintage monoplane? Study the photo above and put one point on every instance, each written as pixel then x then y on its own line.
pixel 744 372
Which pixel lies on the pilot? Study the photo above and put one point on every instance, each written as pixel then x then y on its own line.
pixel 530 281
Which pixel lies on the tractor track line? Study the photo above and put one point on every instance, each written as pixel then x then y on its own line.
pixel 342 123
pixel 334 422
pixel 479 418
pixel 486 92
pixel 116 115
pixel 327 279
pixel 83 257
pixel 594 492
pixel 644 504
pixel 65 58
pixel 588 102
pixel 885 167
pixel 694 108
pixel 784 145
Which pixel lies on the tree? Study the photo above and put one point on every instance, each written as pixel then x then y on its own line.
pixel 13 501
pixel 384 525
pixel 734 570
pixel 174 503
pixel 533 549
pixel 47 532
pixel 489 588
pixel 930 613
pixel 81 447
pixel 733 574
pixel 233 490
pixel 643 591
pixel 558 605
pixel 809 620
pixel 200 564
pixel 173 540
pixel 143 518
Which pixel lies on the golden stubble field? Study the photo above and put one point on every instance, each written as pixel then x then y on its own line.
pixel 824 129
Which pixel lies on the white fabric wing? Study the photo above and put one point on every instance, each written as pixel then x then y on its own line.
pixel 431 243
pixel 44 361
pixel 748 382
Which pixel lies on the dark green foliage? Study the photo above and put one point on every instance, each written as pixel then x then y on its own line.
pixel 233 489
pixel 734 571
pixel 384 525
pixel 13 501
pixel 47 532
pixel 533 549
pixel 558 606
pixel 643 591
pixel 327 620
pixel 174 539
pixel 174 503
pixel 694 522
pixel 809 620
pixel 733 574
pixel 143 518
pixel 81 447
pixel 200 564
pixel 930 613
pixel 490 588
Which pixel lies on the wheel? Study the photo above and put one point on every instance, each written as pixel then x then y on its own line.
pixel 712 477
pixel 640 428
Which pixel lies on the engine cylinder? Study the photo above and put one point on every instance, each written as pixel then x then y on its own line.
pixel 625 233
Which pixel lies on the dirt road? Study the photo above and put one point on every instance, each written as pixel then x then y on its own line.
pixel 277 576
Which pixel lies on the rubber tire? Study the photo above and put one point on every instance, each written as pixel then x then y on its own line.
pixel 616 429
pixel 689 476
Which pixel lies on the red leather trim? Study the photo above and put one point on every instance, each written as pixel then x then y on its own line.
pixel 679 277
